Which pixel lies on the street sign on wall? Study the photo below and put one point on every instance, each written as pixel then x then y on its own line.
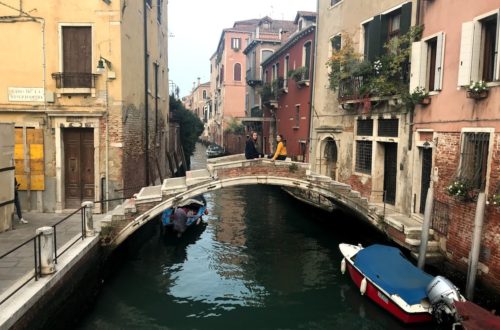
pixel 26 94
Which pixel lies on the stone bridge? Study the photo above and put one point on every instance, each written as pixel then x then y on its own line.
pixel 235 170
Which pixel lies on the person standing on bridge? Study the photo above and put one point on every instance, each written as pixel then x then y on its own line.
pixel 251 146
pixel 280 153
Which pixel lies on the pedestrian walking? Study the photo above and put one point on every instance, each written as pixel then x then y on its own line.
pixel 17 204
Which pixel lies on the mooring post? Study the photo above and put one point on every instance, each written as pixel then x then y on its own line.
pixel 424 238
pixel 46 236
pixel 475 246
pixel 89 221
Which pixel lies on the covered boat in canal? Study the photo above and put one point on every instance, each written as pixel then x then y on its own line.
pixel 394 283
pixel 194 208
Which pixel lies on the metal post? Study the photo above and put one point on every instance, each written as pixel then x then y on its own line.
pixel 476 246
pixel 88 208
pixel 46 252
pixel 424 238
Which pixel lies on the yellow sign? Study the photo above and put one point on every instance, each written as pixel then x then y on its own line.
pixel 30 173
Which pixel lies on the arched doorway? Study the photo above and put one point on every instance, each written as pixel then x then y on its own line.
pixel 330 156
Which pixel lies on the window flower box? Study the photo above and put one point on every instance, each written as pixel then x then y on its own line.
pixel 494 200
pixel 425 101
pixel 461 190
pixel 477 95
pixel 477 90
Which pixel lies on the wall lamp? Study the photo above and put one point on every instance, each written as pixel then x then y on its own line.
pixel 101 67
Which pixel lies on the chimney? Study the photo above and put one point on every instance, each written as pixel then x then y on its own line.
pixel 198 81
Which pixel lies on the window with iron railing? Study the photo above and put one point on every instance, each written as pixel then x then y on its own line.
pixel 365 127
pixel 474 158
pixel 364 157
pixel 388 127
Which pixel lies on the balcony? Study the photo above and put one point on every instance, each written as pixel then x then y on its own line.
pixel 351 88
pixel 252 78
pixel 269 94
pixel 300 75
pixel 75 82
pixel 369 86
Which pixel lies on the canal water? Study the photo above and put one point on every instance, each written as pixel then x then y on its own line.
pixel 263 261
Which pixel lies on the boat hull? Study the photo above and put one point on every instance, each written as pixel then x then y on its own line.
pixel 384 301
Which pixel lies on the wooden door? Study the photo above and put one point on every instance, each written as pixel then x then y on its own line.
pixel 390 172
pixel 78 166
pixel 425 181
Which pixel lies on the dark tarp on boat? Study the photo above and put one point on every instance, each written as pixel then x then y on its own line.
pixel 389 269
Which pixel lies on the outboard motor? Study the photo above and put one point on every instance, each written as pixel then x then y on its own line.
pixel 442 294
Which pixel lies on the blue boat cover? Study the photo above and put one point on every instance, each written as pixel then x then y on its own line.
pixel 389 269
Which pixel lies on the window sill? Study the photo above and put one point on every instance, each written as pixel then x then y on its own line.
pixel 362 174
pixel 335 5
pixel 75 91
pixel 295 127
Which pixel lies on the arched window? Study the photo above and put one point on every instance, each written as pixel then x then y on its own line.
pixel 237 72
pixel 204 95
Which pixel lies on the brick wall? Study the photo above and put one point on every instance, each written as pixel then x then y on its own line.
pixel 133 148
pixel 261 169
pixel 462 213
pixel 361 184
pixel 234 143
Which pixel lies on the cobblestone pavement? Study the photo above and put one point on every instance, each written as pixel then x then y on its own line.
pixel 20 262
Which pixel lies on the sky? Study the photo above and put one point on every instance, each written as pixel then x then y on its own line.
pixel 195 28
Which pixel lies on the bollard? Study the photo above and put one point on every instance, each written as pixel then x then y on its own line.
pixel 89 221
pixel 46 250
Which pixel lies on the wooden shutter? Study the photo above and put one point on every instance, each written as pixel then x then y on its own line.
pixel 466 46
pixel 374 41
pixel 476 52
pixel 77 56
pixel 405 22
pixel 416 65
pixel 438 77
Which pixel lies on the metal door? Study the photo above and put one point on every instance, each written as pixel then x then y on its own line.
pixel 78 166
pixel 390 172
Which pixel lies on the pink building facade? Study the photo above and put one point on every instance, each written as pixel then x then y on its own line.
pixel 457 135
pixel 229 61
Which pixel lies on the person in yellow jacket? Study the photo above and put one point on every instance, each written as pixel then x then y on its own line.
pixel 280 153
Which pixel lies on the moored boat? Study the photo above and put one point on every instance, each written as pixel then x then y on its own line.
pixel 389 279
pixel 194 208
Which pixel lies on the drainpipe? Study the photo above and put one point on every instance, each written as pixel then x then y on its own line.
pixel 476 246
pixel 424 238
pixel 311 103
pixel 146 97
pixel 418 17
pixel 44 66
pixel 312 74
pixel 107 144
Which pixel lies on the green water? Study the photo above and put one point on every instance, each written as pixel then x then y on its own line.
pixel 263 261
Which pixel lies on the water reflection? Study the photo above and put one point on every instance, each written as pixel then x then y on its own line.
pixel 263 261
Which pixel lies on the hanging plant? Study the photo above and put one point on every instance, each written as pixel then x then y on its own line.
pixel 298 74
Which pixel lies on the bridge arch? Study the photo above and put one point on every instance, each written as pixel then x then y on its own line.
pixel 152 201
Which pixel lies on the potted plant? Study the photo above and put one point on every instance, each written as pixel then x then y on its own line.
pixel 477 90
pixel 300 75
pixel 420 96
pixel 494 200
pixel 460 189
